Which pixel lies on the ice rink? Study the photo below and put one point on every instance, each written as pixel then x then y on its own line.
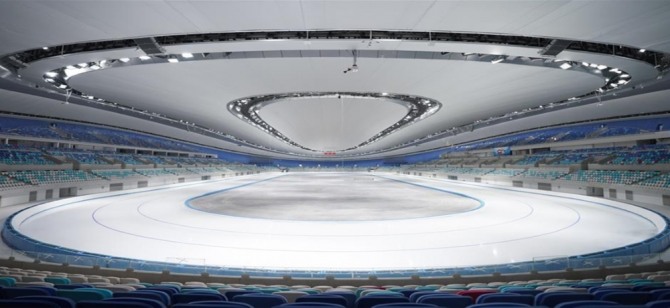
pixel 337 221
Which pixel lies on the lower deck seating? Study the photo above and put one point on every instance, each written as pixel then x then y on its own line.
pixel 38 177
pixel 610 176
pixel 117 174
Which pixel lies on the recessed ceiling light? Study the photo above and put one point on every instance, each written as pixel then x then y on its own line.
pixel 144 58
pixel 124 60
pixel 565 66
pixel 187 55
pixel 173 60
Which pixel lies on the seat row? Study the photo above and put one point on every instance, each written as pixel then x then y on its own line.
pixel 170 295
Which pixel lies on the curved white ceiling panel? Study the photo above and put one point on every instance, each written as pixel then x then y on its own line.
pixel 486 62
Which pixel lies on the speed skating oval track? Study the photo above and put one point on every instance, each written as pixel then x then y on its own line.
pixel 392 222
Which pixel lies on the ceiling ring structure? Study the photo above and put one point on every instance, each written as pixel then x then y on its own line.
pixel 614 78
pixel 418 108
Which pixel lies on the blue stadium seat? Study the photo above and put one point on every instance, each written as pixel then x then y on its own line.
pixel 349 296
pixel 406 305
pixel 260 300
pixel 658 304
pixel 446 300
pixel 309 305
pixel 62 302
pixel 154 303
pixel 499 305
pixel 183 298
pixel 220 304
pixel 368 302
pixel 12 292
pixel 506 298
pixel 554 298
pixel 149 294
pixel 628 298
pixel 111 304
pixel 580 304
pixel 323 298
pixel 232 293
pixel 526 291
pixel 416 295
pixel 27 303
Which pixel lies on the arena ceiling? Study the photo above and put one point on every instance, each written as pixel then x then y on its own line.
pixel 428 73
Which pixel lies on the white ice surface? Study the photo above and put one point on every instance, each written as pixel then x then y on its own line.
pixel 513 225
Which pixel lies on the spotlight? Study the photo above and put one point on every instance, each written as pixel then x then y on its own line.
pixel 497 60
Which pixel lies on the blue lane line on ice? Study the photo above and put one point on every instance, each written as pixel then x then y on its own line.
pixel 188 201
pixel 109 196
pixel 481 202
pixel 575 222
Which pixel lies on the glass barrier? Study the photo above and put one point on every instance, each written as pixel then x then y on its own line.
pixel 646 252
pixel 181 266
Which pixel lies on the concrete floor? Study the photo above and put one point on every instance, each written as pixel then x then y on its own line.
pixel 343 221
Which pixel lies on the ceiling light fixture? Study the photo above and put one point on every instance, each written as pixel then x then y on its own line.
pixel 124 60
pixel 144 58
pixel 498 60
pixel 187 55
pixel 565 65
pixel 51 74
pixel 173 60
